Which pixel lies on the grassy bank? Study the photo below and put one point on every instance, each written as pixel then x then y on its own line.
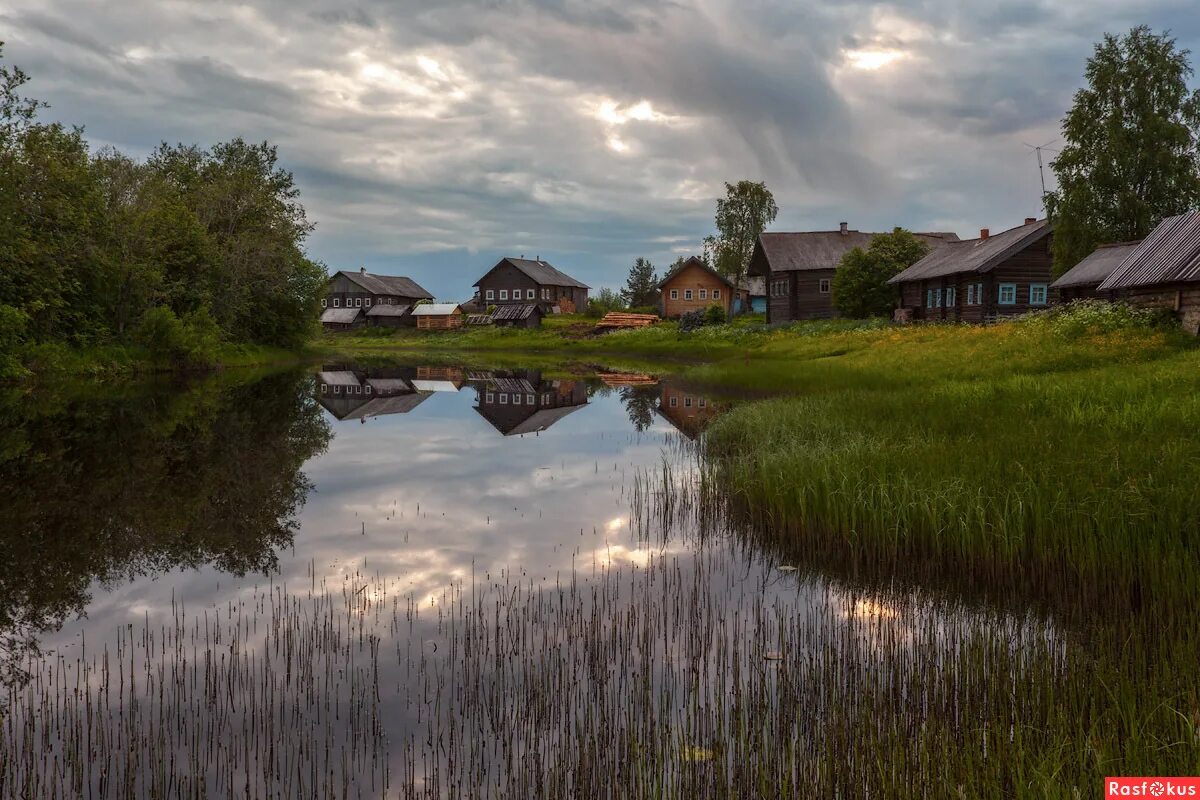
pixel 55 362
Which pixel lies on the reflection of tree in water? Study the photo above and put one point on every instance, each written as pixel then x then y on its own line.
pixel 639 404
pixel 109 488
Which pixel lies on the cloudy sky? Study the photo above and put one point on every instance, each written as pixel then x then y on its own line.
pixel 431 137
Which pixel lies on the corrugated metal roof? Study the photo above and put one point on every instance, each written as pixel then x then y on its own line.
pixel 387 284
pixel 542 272
pixel 381 406
pixel 975 255
pixel 793 252
pixel 1170 254
pixel 435 309
pixel 541 420
pixel 694 262
pixel 338 378
pixel 514 312
pixel 341 316
pixel 1096 267
pixel 388 311
pixel 387 385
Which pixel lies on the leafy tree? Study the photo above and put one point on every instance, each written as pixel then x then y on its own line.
pixel 641 287
pixel 639 405
pixel 604 301
pixel 1132 153
pixel 860 283
pixel 742 214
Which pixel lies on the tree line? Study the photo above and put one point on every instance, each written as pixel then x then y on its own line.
pixel 179 252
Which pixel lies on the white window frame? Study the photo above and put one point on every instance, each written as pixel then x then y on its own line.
pixel 337 390
pixel 674 294
pixel 702 402
pixel 716 294
pixel 504 294
pixel 529 294
pixel 674 402
pixel 1045 289
pixel 358 302
pixel 503 398
pixel 491 398
pixel 367 389
pixel 324 302
pixel 1000 297
pixel 687 402
pixel 704 294
pixel 367 302
pixel 530 400
pixel 687 294
pixel 823 286
pixel 491 294
pixel 337 302
pixel 324 388
pixel 951 296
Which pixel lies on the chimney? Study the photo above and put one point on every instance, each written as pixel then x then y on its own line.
pixel 1030 220
pixel 362 270
pixel 984 233
pixel 845 228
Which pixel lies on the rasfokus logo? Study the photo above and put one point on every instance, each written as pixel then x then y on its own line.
pixel 1152 787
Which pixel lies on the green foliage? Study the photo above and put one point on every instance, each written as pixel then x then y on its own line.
pixel 1094 317
pixel 1132 153
pixel 95 241
pixel 604 301
pixel 692 321
pixel 714 315
pixel 742 214
pixel 13 323
pixel 641 287
pixel 190 341
pixel 860 283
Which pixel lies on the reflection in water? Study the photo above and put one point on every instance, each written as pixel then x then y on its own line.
pixel 453 612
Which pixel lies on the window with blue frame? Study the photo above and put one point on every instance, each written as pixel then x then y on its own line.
pixel 937 298
pixel 1008 294
pixel 929 298
pixel 1037 294
pixel 970 294
pixel 951 297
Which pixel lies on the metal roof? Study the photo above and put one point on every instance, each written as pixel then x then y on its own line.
pixel 514 312
pixel 541 272
pixel 338 378
pixel 387 284
pixel 435 309
pixel 387 385
pixel 1096 267
pixel 435 386
pixel 1170 254
pixel 379 310
pixel 341 316
pixel 694 262
pixel 975 255
pixel 793 252
pixel 381 406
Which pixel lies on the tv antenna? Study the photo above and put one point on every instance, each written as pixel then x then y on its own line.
pixel 1038 148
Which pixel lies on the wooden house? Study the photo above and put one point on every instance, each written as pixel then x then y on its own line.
pixel 688 412
pixel 383 300
pixel 1082 282
pixel 1164 271
pixel 523 315
pixel 694 286
pixel 438 316
pixel 519 280
pixel 352 394
pixel 798 268
pixel 516 403
pixel 978 280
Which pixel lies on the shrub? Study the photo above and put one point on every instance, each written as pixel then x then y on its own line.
pixel 13 324
pixel 188 341
pixel 691 321
pixel 1090 317
pixel 714 315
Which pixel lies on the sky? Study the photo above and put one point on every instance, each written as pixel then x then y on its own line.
pixel 430 138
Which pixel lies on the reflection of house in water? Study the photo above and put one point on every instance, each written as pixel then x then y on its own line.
pixel 690 413
pixel 522 402
pixel 363 393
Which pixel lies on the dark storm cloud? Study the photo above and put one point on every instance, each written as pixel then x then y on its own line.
pixel 435 137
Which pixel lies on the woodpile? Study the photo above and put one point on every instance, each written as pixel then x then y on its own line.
pixel 615 320
pixel 620 380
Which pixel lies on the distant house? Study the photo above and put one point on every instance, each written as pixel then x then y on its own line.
pixel 360 298
pixel 980 279
pixel 353 394
pixel 519 280
pixel 798 269
pixel 1164 271
pixel 516 403
pixel 688 412
pixel 432 316
pixel 1082 282
pixel 694 286
pixel 524 315
pixel 752 295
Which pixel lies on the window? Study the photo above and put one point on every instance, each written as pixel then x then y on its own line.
pixel 970 294
pixel 324 388
pixel 491 397
pixel 937 298
pixel 951 297
pixel 1008 294
pixel 367 302
pixel 716 294
pixel 516 399
pixel 529 294
pixel 687 294
pixel 503 398
pixel 491 294
pixel 530 400
pixel 824 286
pixel 674 402
pixel 1037 294
pixel 367 388
pixel 337 390
pixel 704 294
pixel 546 399
pixel 929 298
pixel 702 402
pixel 687 402
pixel 504 294
pixel 337 302
pixel 674 294
pixel 324 302
pixel 358 302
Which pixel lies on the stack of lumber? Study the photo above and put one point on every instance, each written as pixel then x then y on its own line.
pixel 619 380
pixel 619 319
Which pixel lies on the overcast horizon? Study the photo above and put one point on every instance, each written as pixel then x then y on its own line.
pixel 430 140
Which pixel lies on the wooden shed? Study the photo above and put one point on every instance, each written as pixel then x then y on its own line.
pixel 980 279
pixel 527 315
pixel 1082 282
pixel 1164 271
pixel 342 319
pixel 694 286
pixel 438 316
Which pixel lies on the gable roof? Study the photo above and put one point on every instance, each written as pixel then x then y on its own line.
pixel 515 312
pixel 435 309
pixel 338 378
pixel 694 262
pixel 540 272
pixel 386 284
pixel 384 310
pixel 810 250
pixel 1096 267
pixel 341 316
pixel 1170 254
pixel 975 255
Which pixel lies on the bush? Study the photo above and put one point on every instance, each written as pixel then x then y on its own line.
pixel 691 321
pixel 1089 317
pixel 714 315
pixel 13 324
pixel 188 341
pixel 605 301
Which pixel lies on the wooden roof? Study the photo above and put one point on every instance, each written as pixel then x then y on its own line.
pixel 541 272
pixel 694 262
pixel 975 255
pixel 386 284
pixel 811 250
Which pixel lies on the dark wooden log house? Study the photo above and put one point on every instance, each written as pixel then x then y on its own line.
pixel 520 280
pixel 1164 271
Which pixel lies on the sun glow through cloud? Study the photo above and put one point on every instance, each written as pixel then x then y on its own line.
pixel 871 60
